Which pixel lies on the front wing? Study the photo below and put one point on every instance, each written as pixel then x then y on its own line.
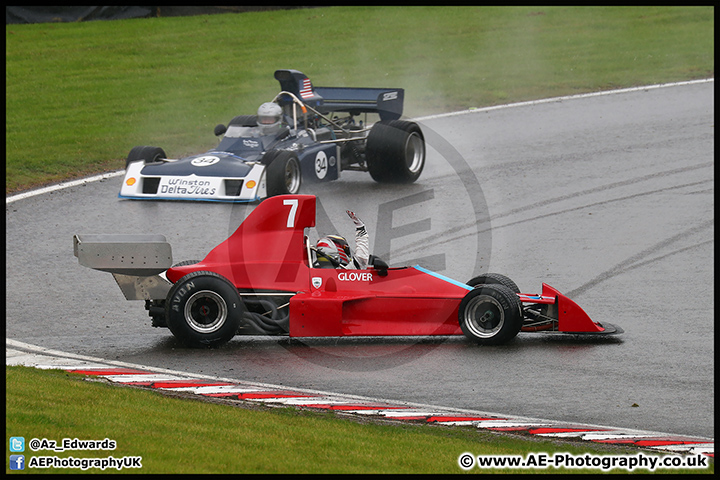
pixel 249 188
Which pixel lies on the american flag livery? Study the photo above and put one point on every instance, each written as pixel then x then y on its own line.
pixel 306 89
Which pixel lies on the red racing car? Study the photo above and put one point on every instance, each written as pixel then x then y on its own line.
pixel 234 291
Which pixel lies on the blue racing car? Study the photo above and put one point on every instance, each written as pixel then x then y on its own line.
pixel 305 134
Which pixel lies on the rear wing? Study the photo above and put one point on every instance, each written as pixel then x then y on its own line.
pixel 135 261
pixel 140 255
pixel 386 102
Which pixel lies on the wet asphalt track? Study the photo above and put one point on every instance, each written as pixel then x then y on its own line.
pixel 608 198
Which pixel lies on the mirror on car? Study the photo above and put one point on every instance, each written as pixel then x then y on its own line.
pixel 220 129
pixel 379 265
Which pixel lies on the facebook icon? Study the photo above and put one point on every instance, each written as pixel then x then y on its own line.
pixel 17 462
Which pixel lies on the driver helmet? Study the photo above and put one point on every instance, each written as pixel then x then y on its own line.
pixel 269 118
pixel 335 247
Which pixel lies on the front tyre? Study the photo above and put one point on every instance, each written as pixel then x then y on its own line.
pixel 490 314
pixel 395 151
pixel 144 154
pixel 494 278
pixel 203 309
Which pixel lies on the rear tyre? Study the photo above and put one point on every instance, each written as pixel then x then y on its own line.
pixel 203 309
pixel 490 314
pixel 395 151
pixel 494 278
pixel 244 121
pixel 145 154
pixel 186 262
pixel 283 173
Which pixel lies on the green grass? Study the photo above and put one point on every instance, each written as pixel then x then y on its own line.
pixel 175 435
pixel 79 96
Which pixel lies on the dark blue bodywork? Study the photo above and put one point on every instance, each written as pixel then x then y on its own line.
pixel 314 129
pixel 318 161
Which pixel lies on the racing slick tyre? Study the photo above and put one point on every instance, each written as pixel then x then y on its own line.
pixel 186 262
pixel 494 278
pixel 490 314
pixel 244 121
pixel 283 173
pixel 145 154
pixel 395 151
pixel 203 309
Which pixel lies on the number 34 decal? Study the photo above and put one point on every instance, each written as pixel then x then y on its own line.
pixel 321 164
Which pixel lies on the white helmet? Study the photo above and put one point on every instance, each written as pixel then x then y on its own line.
pixel 336 248
pixel 269 118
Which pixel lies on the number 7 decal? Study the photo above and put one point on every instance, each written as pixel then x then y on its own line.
pixel 293 202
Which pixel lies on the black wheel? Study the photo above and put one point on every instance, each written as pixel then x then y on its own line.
pixel 203 309
pixel 244 121
pixel 494 278
pixel 283 173
pixel 395 151
pixel 146 154
pixel 490 314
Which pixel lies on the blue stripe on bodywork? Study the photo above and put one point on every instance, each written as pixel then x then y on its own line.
pixel 443 277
